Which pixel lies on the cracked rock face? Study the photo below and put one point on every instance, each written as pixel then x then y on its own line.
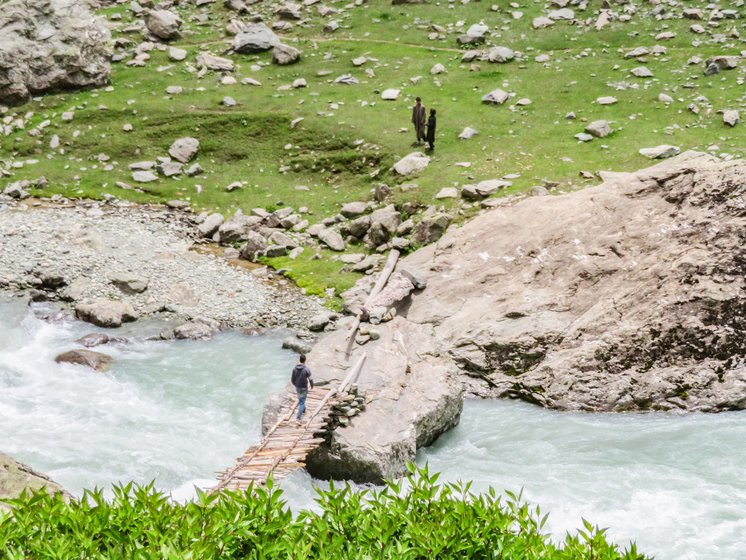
pixel 50 45
pixel 626 296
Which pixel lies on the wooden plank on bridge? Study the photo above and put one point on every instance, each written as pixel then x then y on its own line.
pixel 285 446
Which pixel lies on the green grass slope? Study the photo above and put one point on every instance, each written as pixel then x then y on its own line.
pixel 349 137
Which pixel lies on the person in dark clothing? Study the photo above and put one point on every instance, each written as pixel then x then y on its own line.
pixel 431 130
pixel 300 379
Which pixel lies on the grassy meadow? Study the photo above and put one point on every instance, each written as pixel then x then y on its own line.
pixel 349 137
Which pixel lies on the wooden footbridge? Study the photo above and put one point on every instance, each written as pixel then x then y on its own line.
pixel 285 446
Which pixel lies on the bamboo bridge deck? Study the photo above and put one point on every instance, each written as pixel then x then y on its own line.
pixel 284 447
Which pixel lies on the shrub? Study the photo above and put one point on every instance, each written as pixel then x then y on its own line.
pixel 415 518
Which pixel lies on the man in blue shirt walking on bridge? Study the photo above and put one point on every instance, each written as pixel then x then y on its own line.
pixel 300 379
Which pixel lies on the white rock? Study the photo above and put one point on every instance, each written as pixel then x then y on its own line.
pixel 411 164
pixel 467 133
pixel 731 117
pixel 496 97
pixel 390 94
pixel 447 192
pixel 660 152
pixel 665 98
pixel 437 69
pixel 642 72
pixel 607 100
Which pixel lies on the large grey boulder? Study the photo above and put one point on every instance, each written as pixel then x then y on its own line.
pixel 237 227
pixel 500 54
pixel 200 329
pixel 430 228
pixel 164 24
pixel 106 313
pixel 50 45
pixel 211 224
pixel 600 299
pixel 256 38
pixel 86 358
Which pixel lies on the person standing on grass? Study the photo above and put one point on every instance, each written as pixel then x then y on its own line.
pixel 431 130
pixel 300 379
pixel 418 120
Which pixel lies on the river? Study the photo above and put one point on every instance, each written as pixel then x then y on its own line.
pixel 176 412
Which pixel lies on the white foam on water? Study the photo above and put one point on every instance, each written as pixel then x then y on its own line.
pixel 176 412
pixel 171 411
pixel 674 484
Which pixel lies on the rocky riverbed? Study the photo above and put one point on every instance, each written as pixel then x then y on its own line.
pixel 142 256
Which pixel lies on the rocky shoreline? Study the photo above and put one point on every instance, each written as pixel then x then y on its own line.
pixel 149 258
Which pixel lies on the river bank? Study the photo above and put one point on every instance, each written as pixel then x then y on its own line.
pixel 143 256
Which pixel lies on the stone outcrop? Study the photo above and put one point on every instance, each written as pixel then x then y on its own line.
pixel 15 477
pixel 50 45
pixel 626 296
pixel 410 391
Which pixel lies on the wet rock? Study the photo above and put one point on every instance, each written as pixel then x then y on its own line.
pixel 93 339
pixel 87 358
pixel 201 329
pixel 16 477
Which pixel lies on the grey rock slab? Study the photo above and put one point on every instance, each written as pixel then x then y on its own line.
pixel 144 177
pixel 599 129
pixel 106 313
pixel 447 192
pixel 213 62
pixel 184 149
pixel 354 209
pixel 176 54
pixel 331 239
pixel 496 97
pixel 129 283
pixel 390 94
pixel 467 133
pixel 257 37
pixel 500 54
pixel 285 54
pixel 210 226
pixel 660 152
pixel 731 117
pixel 196 330
pixel 642 72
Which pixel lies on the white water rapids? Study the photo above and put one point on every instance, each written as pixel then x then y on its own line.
pixel 176 412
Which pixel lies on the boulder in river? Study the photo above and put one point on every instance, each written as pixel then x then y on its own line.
pixel 50 45
pixel 87 358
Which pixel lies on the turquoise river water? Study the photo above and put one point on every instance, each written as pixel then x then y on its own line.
pixel 176 412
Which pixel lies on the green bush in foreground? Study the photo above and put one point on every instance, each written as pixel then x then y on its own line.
pixel 425 521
